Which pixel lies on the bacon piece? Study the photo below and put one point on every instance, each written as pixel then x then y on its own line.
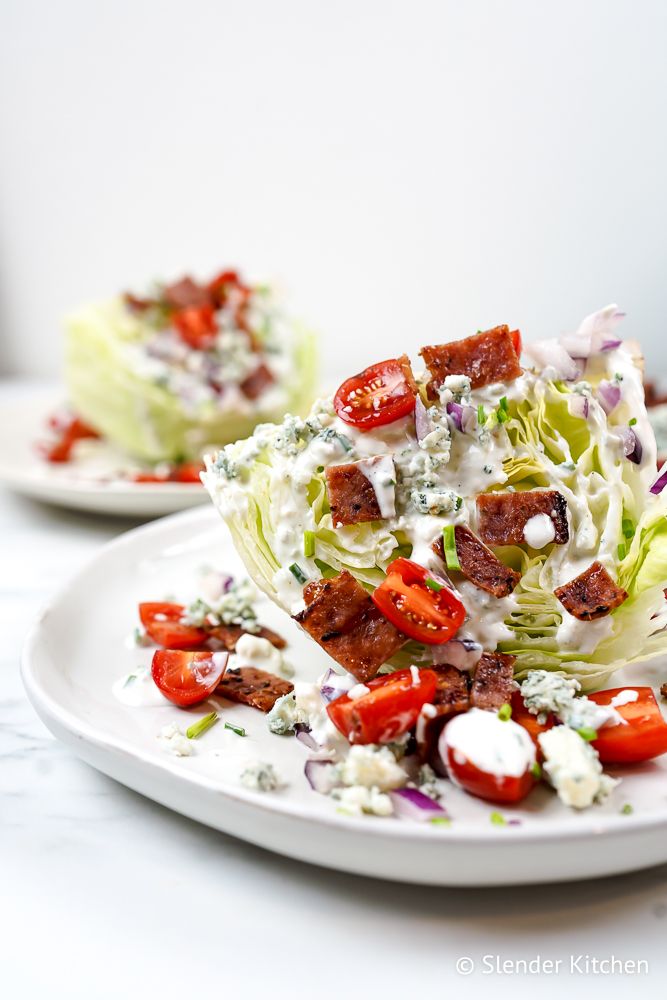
pixel 352 497
pixel 493 683
pixel 592 594
pixel 229 635
pixel 485 358
pixel 663 691
pixel 503 516
pixel 341 617
pixel 259 380
pixel 250 686
pixel 478 563
pixel 452 697
pixel 186 292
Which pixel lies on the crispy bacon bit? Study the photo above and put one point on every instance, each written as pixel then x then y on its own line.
pixel 351 495
pixel 503 516
pixel 341 617
pixel 229 635
pixel 452 697
pixel 592 594
pixel 653 396
pixel 185 293
pixel 250 686
pixel 478 563
pixel 663 691
pixel 485 358
pixel 137 304
pixel 259 380
pixel 493 683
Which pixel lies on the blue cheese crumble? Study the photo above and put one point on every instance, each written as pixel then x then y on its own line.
pixel 260 777
pixel 573 768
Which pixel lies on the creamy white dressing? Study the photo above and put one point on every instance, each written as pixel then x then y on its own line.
pixel 138 689
pixel 498 747
pixel 539 531
pixel 381 474
pixel 624 697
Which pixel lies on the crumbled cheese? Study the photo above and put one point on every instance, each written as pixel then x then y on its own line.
pixel 435 501
pixel 545 691
pixel 454 388
pixel 260 777
pixel 358 691
pixel 285 715
pixel 175 741
pixel 573 768
pixel 371 766
pixel 257 651
pixel 236 606
pixel 358 799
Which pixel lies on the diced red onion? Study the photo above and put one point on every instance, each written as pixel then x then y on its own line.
pixel 578 405
pixel 321 775
pixel 455 411
pixel 551 354
pixel 423 425
pixel 304 735
pixel 595 333
pixel 611 345
pixel 609 394
pixel 410 803
pixel 333 685
pixel 661 481
pixel 462 653
pixel 464 417
pixel 632 447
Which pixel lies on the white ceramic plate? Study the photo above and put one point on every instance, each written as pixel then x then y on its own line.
pixel 78 648
pixel 83 485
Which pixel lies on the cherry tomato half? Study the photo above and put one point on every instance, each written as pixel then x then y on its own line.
pixel 187 472
pixel 196 325
pixel 185 677
pixel 417 604
pixel 643 737
pixel 516 340
pixel 500 741
pixel 390 708
pixel 69 431
pixel 529 721
pixel 378 395
pixel 162 621
pixel 492 787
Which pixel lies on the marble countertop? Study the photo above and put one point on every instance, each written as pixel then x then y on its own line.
pixel 105 894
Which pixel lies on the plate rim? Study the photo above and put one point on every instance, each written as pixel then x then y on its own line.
pixel 459 833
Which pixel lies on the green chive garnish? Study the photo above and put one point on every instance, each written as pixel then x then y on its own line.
pixel 621 551
pixel 498 819
pixel 440 821
pixel 197 728
pixel 628 527
pixel 298 573
pixel 309 544
pixel 631 423
pixel 239 730
pixel 449 541
pixel 505 712
pixel 433 584
pixel 503 416
pixel 481 415
pixel 627 809
pixel 536 771
pixel 502 405
pixel 588 734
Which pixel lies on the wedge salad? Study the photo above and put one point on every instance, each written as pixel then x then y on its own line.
pixel 188 366
pixel 479 546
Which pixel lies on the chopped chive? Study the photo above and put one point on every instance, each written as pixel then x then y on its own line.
pixel 536 771
pixel 503 416
pixel 621 551
pixel 588 733
pixel 309 544
pixel 481 415
pixel 129 679
pixel 505 712
pixel 628 527
pixel 197 728
pixel 298 573
pixel 498 819
pixel 449 540
pixel 627 809
pixel 440 821
pixel 239 730
pixel 502 405
pixel 433 584
pixel 631 423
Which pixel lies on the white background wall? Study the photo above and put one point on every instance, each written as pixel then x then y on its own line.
pixel 411 171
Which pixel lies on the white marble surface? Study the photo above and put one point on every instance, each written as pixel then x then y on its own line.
pixel 104 894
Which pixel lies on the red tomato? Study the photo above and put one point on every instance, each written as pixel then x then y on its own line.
pixel 529 721
pixel 377 396
pixel 422 612
pixel 187 678
pixel 70 431
pixel 220 286
pixel 493 787
pixel 187 472
pixel 162 622
pixel 516 340
pixel 196 325
pixel 147 477
pixel 390 709
pixel 642 738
